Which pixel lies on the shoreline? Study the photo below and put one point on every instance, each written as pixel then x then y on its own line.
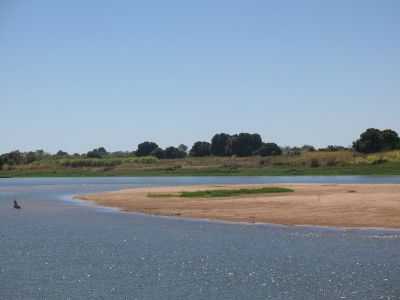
pixel 346 206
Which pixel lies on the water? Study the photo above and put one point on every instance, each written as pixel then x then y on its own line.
pixel 55 249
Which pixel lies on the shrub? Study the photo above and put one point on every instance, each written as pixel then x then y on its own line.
pixel 269 149
pixel 373 140
pixel 219 144
pixel 145 148
pixel 173 152
pixel 200 149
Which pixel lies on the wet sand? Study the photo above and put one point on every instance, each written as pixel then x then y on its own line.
pixel 339 205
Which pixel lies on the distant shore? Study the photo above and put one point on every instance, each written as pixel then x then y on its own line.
pixel 337 205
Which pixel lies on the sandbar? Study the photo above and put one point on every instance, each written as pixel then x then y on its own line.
pixel 337 205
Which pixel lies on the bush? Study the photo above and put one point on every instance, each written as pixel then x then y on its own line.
pixel 245 144
pixel 145 148
pixel 158 152
pixel 269 149
pixel 173 153
pixel 200 149
pixel 373 140
pixel 97 153
pixel 219 144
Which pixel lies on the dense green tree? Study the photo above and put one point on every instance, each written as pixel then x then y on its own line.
pixel 97 153
pixel 269 149
pixel 391 139
pixel 373 140
pixel 308 148
pixel 183 148
pixel 220 144
pixel 370 141
pixel 12 158
pixel 173 152
pixel 30 157
pixel 158 152
pixel 245 144
pixel 61 153
pixel 201 149
pixel 146 148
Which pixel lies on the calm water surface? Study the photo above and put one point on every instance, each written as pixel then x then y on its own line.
pixel 56 249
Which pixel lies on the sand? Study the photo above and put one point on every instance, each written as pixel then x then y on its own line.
pixel 339 205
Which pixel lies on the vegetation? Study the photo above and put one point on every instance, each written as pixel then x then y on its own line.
pixel 222 193
pixel 269 149
pixel 201 149
pixel 375 153
pixel 234 192
pixel 374 140
pixel 146 148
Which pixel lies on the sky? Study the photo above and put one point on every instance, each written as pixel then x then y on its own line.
pixel 75 75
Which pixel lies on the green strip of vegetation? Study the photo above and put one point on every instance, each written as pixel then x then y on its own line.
pixel 234 192
pixel 222 193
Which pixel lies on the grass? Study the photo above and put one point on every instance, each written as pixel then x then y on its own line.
pixel 222 193
pixel 309 163
pixel 234 192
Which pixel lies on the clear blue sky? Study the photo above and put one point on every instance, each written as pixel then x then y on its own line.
pixel 75 75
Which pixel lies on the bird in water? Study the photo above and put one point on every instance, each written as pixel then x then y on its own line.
pixel 16 205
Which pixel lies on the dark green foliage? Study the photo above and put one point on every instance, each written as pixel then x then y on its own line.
pixel 333 148
pixel 30 157
pixel 158 152
pixel 12 158
pixel 145 148
pixel 183 148
pixel 373 140
pixel 61 153
pixel 219 144
pixel 245 144
pixel 308 148
pixel 234 192
pixel 269 149
pixel 97 153
pixel 173 152
pixel 200 149
pixel 391 139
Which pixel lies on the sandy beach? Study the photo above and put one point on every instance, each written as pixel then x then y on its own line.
pixel 339 205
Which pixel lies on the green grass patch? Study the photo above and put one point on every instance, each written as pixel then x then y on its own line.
pixel 222 193
pixel 234 192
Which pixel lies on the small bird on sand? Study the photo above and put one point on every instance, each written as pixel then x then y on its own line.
pixel 16 205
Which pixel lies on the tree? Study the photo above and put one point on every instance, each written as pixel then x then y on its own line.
pixel 201 149
pixel 391 139
pixel 12 158
pixel 145 148
pixel 373 140
pixel 30 157
pixel 97 153
pixel 61 153
pixel 219 144
pixel 183 148
pixel 269 149
pixel 173 152
pixel 308 148
pixel 158 152
pixel 245 144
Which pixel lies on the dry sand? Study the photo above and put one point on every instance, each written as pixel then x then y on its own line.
pixel 337 205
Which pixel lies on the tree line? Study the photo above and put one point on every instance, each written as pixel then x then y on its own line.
pixel 222 144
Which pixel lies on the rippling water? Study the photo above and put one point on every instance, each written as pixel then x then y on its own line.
pixel 55 249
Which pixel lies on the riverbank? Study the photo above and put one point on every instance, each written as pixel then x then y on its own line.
pixel 341 205
pixel 387 169
pixel 316 163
